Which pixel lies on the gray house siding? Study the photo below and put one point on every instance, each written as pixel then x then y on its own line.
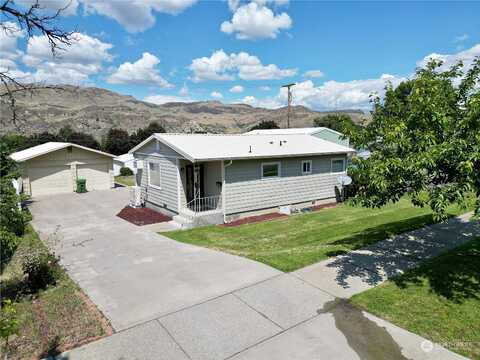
pixel 166 196
pixel 333 136
pixel 245 190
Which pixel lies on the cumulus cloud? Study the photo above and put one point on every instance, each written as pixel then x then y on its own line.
pixel 73 65
pixel 236 89
pixel 8 43
pixel 162 99
pixel 313 74
pixel 467 56
pixel 142 72
pixel 255 21
pixel 136 15
pixel 353 94
pixel 216 95
pixel 67 7
pixel 221 66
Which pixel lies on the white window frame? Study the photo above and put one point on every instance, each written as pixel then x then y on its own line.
pixel 278 163
pixel 311 165
pixel 159 174
pixel 331 165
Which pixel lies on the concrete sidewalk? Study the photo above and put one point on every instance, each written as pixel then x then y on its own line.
pixel 295 316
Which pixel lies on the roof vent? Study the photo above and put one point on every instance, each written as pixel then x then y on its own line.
pixel 250 149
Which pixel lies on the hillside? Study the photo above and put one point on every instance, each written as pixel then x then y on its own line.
pixel 94 111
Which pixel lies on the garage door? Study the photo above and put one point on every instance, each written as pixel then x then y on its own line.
pixel 50 180
pixel 97 176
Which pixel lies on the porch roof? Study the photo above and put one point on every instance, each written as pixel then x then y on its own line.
pixel 209 147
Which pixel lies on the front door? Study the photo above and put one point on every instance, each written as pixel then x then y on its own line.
pixel 194 175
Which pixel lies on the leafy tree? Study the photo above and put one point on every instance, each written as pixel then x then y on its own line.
pixel 144 133
pixel 117 142
pixel 424 140
pixel 67 134
pixel 42 138
pixel 265 124
pixel 337 122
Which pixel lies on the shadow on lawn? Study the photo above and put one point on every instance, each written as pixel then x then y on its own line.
pixel 458 278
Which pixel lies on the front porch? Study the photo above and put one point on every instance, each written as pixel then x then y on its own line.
pixel 200 193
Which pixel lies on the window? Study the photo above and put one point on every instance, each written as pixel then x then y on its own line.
pixel 154 174
pixel 338 165
pixel 270 170
pixel 306 167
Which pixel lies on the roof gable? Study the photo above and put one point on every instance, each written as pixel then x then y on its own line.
pixel 49 147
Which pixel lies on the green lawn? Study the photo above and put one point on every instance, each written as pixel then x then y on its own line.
pixel 125 180
pixel 297 241
pixel 53 319
pixel 439 300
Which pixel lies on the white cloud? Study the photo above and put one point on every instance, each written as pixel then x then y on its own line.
pixel 467 56
pixel 216 95
pixel 162 99
pixel 256 21
pixel 136 15
pixel 72 65
pixel 142 72
pixel 265 88
pixel 8 42
pixel 221 66
pixel 461 38
pixel 236 89
pixel 184 91
pixel 353 94
pixel 313 74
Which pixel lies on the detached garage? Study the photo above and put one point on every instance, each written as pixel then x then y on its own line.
pixel 54 167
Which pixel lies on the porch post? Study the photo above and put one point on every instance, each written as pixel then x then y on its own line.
pixel 223 189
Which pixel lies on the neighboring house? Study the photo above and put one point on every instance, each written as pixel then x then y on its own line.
pixel 125 160
pixel 53 168
pixel 202 178
pixel 320 132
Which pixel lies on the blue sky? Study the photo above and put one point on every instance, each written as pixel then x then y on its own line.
pixel 241 51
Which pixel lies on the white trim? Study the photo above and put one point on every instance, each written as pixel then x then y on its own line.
pixel 179 180
pixel 331 165
pixel 311 166
pixel 159 155
pixel 159 174
pixel 279 165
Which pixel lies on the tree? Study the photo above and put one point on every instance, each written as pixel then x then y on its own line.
pixel 67 134
pixel 424 140
pixel 337 122
pixel 265 124
pixel 117 142
pixel 144 133
pixel 32 20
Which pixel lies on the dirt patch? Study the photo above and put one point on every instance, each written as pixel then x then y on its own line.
pixel 142 216
pixel 254 219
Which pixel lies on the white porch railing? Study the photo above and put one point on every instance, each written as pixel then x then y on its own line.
pixel 207 203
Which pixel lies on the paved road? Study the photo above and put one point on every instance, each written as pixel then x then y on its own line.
pixel 174 301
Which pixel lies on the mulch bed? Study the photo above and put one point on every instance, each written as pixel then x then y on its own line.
pixel 142 216
pixel 323 206
pixel 254 219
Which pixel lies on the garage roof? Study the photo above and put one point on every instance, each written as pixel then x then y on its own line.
pixel 49 147
pixel 202 147
pixel 290 131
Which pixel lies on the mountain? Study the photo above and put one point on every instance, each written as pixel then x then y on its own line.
pixel 94 111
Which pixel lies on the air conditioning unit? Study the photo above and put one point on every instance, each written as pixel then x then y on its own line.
pixel 139 164
pixel 136 199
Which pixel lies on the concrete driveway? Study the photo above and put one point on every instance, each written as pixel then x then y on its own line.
pixel 131 273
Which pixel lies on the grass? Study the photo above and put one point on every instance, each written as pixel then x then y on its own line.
pixel 440 300
pixel 52 320
pixel 297 241
pixel 125 180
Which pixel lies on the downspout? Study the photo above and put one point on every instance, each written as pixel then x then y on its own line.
pixel 224 190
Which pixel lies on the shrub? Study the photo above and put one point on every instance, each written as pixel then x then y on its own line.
pixel 8 323
pixel 8 244
pixel 41 269
pixel 125 171
pixel 81 185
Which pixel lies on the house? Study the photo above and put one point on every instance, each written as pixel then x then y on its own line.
pixel 125 160
pixel 209 179
pixel 53 168
pixel 320 132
